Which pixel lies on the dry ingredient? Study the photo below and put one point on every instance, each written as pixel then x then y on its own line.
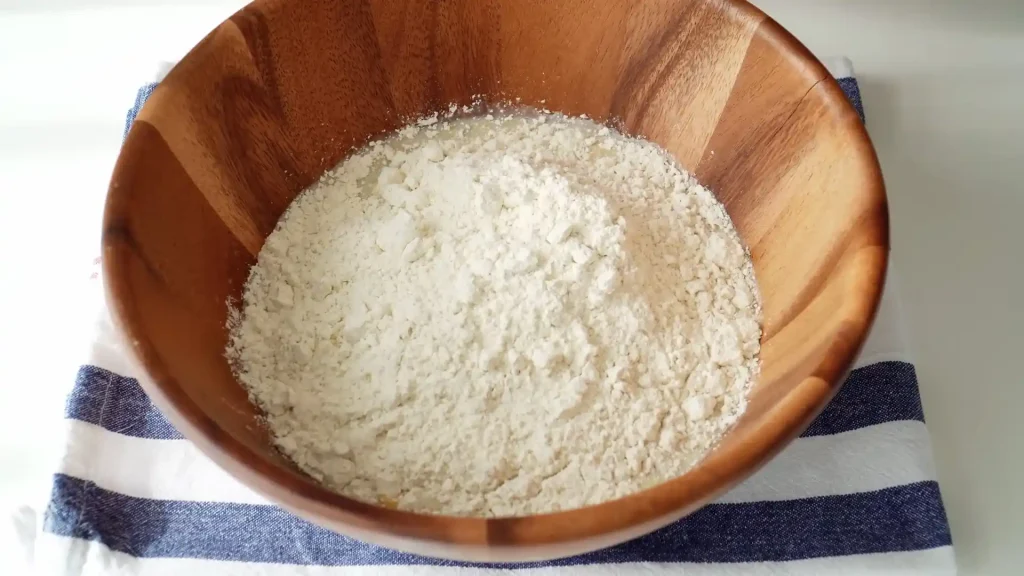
pixel 494 316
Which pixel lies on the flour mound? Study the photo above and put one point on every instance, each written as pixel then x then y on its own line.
pixel 500 316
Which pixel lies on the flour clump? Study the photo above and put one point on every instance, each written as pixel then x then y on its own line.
pixel 500 315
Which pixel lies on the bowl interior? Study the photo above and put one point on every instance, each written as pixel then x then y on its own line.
pixel 284 90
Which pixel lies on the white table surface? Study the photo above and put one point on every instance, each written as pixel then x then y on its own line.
pixel 943 85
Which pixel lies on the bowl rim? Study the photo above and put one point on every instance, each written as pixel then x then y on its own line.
pixel 541 536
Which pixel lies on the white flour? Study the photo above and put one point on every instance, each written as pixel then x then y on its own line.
pixel 495 317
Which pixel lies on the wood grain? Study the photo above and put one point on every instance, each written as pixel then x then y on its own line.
pixel 285 89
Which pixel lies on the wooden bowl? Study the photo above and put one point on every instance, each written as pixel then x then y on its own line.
pixel 285 89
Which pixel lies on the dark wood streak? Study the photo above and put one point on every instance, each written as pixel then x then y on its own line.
pixel 398 37
pixel 816 282
pixel 379 82
pixel 758 140
pixel 265 96
pixel 260 162
pixel 254 28
pixel 874 220
pixel 435 101
pixel 476 25
pixel 632 96
pixel 119 232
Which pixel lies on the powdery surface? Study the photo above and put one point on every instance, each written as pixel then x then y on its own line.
pixel 500 316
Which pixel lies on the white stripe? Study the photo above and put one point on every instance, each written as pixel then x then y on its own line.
pixel 108 349
pixel 145 468
pixel 161 70
pixel 98 560
pixel 886 340
pixel 839 66
pixel 867 459
pixel 862 460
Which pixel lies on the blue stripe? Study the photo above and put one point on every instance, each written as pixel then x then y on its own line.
pixel 903 518
pixel 116 403
pixel 140 98
pixel 852 91
pixel 874 394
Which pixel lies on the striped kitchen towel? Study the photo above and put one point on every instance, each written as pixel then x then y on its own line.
pixel 855 494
